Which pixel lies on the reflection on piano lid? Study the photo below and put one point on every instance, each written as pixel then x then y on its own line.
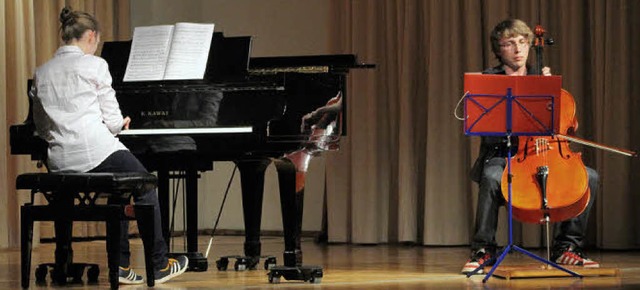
pixel 188 131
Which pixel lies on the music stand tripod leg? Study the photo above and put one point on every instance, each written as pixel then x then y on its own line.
pixel 503 255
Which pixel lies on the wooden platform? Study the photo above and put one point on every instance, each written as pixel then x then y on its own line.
pixel 541 271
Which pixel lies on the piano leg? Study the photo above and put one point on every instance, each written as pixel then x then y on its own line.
pixel 291 203
pixel 291 176
pixel 192 214
pixel 252 182
pixel 197 261
pixel 163 198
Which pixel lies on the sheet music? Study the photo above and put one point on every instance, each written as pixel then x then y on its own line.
pixel 149 51
pixel 189 51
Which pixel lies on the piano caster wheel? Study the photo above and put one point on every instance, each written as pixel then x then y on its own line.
pixel 76 272
pixel 59 278
pixel 222 264
pixel 269 263
pixel 313 274
pixel 252 263
pixel 273 279
pixel 241 264
pixel 315 280
pixel 41 274
pixel 92 274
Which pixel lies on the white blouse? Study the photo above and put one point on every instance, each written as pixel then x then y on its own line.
pixel 75 110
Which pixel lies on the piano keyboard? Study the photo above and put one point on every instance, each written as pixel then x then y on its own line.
pixel 187 131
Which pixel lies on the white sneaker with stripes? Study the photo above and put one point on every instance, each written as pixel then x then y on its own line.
pixel 127 276
pixel 574 257
pixel 174 268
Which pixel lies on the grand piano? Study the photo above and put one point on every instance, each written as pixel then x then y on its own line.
pixel 246 110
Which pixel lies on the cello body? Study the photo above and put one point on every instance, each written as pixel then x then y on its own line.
pixel 548 179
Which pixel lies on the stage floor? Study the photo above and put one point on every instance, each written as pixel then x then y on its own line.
pixel 344 267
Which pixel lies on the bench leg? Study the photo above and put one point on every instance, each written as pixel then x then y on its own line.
pixel 113 249
pixel 64 252
pixel 146 226
pixel 26 240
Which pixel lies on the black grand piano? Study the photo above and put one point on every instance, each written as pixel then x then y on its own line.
pixel 245 110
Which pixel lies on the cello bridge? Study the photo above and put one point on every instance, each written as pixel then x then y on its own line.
pixel 542 145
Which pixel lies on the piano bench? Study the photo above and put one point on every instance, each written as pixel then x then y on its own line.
pixel 72 197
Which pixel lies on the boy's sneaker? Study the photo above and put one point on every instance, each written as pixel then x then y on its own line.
pixel 478 258
pixel 174 268
pixel 573 257
pixel 127 276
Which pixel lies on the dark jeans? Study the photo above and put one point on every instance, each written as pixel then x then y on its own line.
pixel 124 161
pixel 567 233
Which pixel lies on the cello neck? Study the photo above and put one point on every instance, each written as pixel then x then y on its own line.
pixel 538 45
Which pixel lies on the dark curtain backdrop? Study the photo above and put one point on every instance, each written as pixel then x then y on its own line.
pixel 402 173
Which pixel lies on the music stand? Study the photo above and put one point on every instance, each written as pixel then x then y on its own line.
pixel 498 105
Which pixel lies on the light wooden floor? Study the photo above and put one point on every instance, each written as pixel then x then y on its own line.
pixel 345 267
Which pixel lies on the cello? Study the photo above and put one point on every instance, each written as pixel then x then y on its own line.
pixel 549 181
